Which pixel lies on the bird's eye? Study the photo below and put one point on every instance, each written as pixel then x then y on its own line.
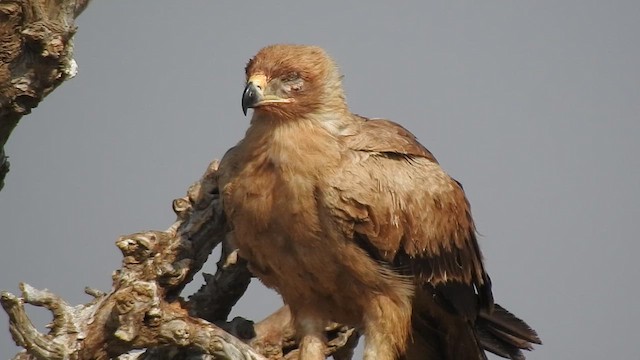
pixel 292 82
pixel 293 76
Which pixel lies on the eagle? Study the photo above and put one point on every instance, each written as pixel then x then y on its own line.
pixel 352 220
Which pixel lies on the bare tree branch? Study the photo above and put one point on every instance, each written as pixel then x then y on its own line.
pixel 143 310
pixel 214 300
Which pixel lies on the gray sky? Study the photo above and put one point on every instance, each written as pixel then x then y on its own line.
pixel 534 106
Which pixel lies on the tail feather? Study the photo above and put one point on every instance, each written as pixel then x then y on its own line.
pixel 503 320
pixel 440 333
pixel 510 339
pixel 495 346
pixel 444 333
pixel 451 340
pixel 504 334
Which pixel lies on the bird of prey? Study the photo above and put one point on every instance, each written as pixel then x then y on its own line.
pixel 352 220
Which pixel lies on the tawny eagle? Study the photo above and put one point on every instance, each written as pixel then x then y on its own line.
pixel 352 220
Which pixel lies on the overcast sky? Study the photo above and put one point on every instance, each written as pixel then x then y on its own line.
pixel 534 106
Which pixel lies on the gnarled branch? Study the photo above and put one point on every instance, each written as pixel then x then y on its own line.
pixel 143 310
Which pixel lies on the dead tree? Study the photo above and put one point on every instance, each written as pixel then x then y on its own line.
pixel 144 309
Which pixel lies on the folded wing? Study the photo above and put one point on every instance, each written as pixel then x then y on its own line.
pixel 404 210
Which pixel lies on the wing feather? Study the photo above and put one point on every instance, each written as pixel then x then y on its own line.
pixel 398 204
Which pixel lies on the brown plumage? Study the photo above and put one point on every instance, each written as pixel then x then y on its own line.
pixel 352 220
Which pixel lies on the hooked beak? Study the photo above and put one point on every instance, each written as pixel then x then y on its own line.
pixel 254 94
pixel 250 97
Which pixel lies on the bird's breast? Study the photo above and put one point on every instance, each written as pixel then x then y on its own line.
pixel 272 204
pixel 277 173
pixel 272 208
pixel 265 192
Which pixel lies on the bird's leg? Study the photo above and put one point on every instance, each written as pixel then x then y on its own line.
pixel 387 325
pixel 312 338
pixel 377 346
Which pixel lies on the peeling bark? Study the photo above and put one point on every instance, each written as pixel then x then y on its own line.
pixel 36 55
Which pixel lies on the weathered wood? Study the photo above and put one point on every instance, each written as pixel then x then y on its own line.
pixel 214 300
pixel 143 310
pixel 36 56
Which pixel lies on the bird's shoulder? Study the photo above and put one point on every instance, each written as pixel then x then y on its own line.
pixel 229 163
pixel 388 181
pixel 383 136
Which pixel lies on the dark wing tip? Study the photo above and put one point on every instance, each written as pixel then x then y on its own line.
pixel 511 324
pixel 504 334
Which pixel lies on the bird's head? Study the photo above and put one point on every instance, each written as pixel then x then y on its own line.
pixel 292 81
